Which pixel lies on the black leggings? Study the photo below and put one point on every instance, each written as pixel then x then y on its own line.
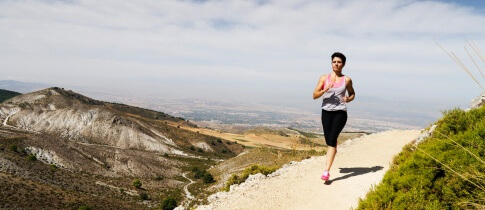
pixel 333 123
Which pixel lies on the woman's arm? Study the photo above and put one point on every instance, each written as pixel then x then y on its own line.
pixel 350 90
pixel 318 92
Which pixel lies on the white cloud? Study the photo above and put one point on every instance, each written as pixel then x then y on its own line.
pixel 279 46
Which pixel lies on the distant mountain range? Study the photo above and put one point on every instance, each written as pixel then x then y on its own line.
pixel 22 87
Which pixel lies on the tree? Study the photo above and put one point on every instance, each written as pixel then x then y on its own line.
pixel 208 178
pixel 169 203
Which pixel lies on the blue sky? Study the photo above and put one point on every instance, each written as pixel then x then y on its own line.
pixel 477 4
pixel 262 51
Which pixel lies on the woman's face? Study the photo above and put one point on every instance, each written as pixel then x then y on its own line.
pixel 337 64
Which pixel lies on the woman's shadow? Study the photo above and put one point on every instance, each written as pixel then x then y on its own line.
pixel 354 172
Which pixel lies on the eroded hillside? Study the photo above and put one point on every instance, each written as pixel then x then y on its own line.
pixel 109 144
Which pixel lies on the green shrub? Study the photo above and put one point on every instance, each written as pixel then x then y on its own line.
pixel 208 178
pixel 199 174
pixel 137 183
pixel 31 157
pixel 200 150
pixel 53 167
pixel 203 174
pixel 418 181
pixel 254 169
pixel 83 207
pixel 13 147
pixel 169 203
pixel 192 148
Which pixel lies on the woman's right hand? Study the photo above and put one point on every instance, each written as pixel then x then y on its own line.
pixel 327 87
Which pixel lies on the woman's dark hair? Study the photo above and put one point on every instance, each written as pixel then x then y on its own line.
pixel 339 55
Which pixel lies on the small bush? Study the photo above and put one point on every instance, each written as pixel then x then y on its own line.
pixel 169 203
pixel 219 140
pixel 254 169
pixel 83 207
pixel 208 178
pixel 192 148
pixel 31 157
pixel 203 174
pixel 143 196
pixel 199 174
pixel 13 148
pixel 224 151
pixel 53 167
pixel 200 150
pixel 137 183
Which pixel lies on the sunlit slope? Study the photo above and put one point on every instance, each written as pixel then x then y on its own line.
pixel 444 171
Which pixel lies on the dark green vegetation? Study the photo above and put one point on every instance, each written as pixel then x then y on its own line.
pixel 169 203
pixel 204 175
pixel 137 183
pixel 7 94
pixel 446 171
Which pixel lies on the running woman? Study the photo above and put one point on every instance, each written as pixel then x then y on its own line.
pixel 333 87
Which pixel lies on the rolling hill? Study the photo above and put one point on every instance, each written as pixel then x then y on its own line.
pixel 64 150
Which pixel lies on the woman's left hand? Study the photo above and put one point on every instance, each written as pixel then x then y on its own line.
pixel 345 99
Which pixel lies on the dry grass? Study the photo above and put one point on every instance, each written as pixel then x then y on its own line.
pixel 280 139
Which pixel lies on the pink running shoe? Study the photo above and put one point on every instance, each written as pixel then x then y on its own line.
pixel 325 175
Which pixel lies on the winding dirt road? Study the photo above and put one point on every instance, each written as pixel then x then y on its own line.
pixel 359 164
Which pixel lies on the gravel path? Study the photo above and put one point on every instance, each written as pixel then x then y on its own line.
pixel 359 164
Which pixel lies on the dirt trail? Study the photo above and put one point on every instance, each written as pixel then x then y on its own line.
pixel 359 164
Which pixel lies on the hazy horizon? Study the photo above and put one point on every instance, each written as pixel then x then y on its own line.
pixel 368 114
pixel 267 52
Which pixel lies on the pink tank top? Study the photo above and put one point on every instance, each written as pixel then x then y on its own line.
pixel 332 99
pixel 335 85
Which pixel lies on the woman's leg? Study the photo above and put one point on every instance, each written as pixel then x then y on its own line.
pixel 331 151
pixel 338 121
